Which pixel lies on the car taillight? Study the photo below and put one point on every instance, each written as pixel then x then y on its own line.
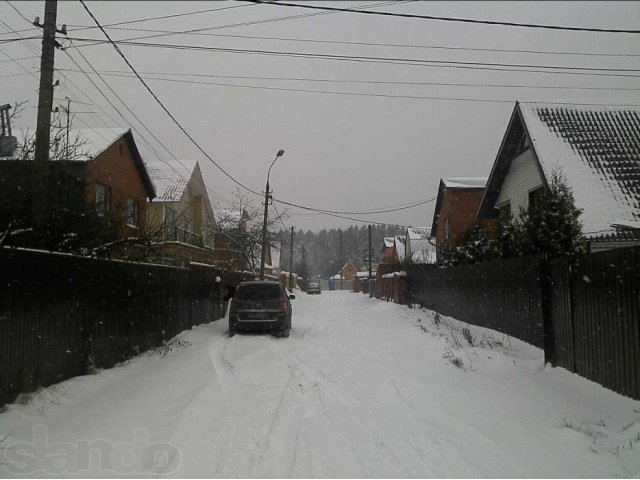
pixel 282 304
pixel 233 306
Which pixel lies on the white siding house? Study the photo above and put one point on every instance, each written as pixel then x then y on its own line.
pixel 595 148
pixel 524 177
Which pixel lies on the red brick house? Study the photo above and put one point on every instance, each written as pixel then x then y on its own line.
pixel 116 179
pixel 99 188
pixel 456 207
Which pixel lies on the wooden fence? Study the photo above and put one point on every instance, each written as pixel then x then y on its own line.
pixel 585 315
pixel 62 315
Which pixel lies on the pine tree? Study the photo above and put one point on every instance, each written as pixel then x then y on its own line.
pixel 475 246
pixel 551 227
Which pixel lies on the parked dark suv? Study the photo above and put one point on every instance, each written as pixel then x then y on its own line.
pixel 260 305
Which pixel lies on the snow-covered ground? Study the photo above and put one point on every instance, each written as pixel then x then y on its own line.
pixel 361 388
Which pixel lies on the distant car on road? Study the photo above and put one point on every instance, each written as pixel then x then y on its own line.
pixel 261 305
pixel 314 289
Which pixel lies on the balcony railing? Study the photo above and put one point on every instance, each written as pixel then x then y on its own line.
pixel 178 234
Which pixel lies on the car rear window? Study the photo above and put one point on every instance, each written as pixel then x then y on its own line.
pixel 258 292
pixel 314 285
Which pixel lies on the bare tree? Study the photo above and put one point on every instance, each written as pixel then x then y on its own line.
pixel 242 225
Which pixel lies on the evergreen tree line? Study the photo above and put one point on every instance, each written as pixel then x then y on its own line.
pixel 318 253
pixel 550 226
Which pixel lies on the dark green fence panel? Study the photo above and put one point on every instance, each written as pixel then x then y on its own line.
pixel 502 295
pixel 62 315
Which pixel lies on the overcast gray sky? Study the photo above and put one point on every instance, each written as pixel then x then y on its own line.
pixel 383 141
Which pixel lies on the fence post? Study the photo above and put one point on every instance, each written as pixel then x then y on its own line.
pixel 544 272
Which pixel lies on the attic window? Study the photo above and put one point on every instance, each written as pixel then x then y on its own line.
pixel 447 231
pixel 535 198
pixel 504 212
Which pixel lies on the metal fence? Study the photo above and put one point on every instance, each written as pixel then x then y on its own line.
pixel 502 295
pixel 62 315
pixel 584 314
pixel 595 318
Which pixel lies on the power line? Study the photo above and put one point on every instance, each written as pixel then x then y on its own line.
pixel 359 94
pixel 447 19
pixel 327 212
pixel 492 66
pixel 191 138
pixel 18 59
pixel 163 75
pixel 260 22
pixel 158 155
pixel 377 44
pixel 29 47
pixel 161 17
pixel 324 212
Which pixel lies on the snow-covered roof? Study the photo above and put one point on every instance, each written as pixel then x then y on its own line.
pixel 97 139
pixel 169 182
pixel 418 233
pixel 596 148
pixel 626 225
pixel 88 142
pixel 426 255
pixel 389 241
pixel 465 182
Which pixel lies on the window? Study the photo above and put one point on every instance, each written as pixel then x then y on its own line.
pixel 132 212
pixel 103 199
pixel 535 198
pixel 504 212
pixel 447 231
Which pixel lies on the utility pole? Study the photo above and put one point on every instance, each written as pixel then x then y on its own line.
pixel 370 282
pixel 341 276
pixel 67 111
pixel 45 96
pixel 291 261
pixel 266 214
pixel 264 232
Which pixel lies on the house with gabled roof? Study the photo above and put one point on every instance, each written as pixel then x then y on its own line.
pixel 181 217
pixel 418 245
pixel 103 179
pixel 389 250
pixel 456 207
pixel 597 150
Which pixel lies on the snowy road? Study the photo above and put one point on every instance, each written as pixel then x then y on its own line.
pixel 361 388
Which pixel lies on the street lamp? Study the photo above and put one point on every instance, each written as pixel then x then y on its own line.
pixel 266 213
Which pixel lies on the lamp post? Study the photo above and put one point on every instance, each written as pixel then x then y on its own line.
pixel 266 213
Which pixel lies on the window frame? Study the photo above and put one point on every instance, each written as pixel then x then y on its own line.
pixel 103 199
pixel 132 213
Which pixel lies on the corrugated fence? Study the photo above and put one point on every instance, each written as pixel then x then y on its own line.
pixel 62 315
pixel 585 315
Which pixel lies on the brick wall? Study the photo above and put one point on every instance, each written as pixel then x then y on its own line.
pixel 115 168
pixel 459 207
